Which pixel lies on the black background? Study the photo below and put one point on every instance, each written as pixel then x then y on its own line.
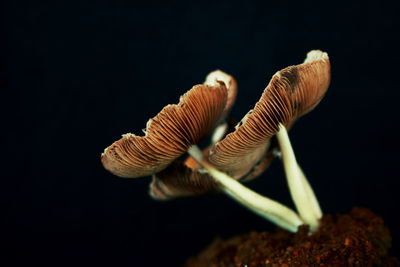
pixel 75 76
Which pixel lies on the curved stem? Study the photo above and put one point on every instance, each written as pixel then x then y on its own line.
pixel 263 206
pixel 302 194
pixel 311 195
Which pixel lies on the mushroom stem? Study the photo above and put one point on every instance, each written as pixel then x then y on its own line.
pixel 302 194
pixel 263 206
pixel 219 132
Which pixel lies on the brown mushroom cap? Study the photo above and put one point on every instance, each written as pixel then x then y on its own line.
pixel 179 180
pixel 218 77
pixel 291 93
pixel 168 135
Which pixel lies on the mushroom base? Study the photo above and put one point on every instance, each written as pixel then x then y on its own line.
pixel 355 239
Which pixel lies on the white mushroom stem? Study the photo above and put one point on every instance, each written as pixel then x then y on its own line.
pixel 219 132
pixel 302 194
pixel 263 206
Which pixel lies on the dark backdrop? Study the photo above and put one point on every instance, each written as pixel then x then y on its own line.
pixel 75 76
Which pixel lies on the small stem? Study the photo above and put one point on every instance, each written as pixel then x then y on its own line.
pixel 311 195
pixel 263 206
pixel 300 189
pixel 219 132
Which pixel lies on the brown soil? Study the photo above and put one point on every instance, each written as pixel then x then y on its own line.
pixel 356 239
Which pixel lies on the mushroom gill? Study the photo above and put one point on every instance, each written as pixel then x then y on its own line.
pixel 168 135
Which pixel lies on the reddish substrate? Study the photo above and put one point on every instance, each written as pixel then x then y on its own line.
pixel 356 239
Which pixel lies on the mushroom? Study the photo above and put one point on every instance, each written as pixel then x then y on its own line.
pixel 291 93
pixel 170 133
pixel 242 154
